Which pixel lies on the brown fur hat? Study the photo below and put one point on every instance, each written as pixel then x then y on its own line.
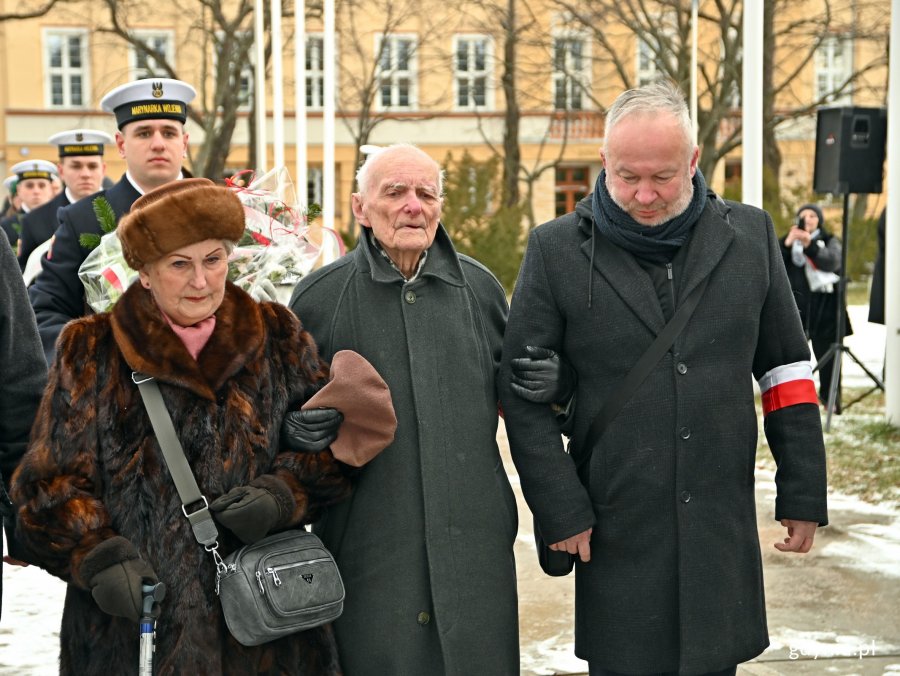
pixel 177 214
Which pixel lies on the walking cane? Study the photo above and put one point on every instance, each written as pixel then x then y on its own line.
pixel 153 593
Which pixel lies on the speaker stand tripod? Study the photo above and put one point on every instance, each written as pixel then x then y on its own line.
pixel 837 349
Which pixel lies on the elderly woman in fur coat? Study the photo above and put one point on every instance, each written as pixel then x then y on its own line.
pixel 96 504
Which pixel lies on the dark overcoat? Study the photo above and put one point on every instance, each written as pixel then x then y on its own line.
pixel 425 545
pixel 57 294
pixel 39 225
pixel 94 470
pixel 23 375
pixel 675 577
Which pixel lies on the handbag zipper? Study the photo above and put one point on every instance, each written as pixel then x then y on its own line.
pixel 274 571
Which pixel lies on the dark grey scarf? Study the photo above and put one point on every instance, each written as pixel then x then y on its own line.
pixel 658 243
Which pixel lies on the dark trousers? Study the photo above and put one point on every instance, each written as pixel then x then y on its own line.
pixel 596 670
pixel 821 345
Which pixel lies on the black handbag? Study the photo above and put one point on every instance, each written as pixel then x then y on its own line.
pixel 557 563
pixel 285 583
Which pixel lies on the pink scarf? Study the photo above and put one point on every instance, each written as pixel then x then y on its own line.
pixel 194 337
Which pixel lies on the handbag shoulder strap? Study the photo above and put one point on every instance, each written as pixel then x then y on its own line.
pixel 188 491
pixel 639 372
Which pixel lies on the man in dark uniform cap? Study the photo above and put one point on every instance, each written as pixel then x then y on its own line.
pixel 34 187
pixel 81 169
pixel 150 115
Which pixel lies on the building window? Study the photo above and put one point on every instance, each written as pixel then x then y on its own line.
pixel 67 79
pixel 314 186
pixel 143 65
pixel 315 72
pixel 572 184
pixel 648 70
pixel 471 63
pixel 570 72
pixel 833 69
pixel 397 72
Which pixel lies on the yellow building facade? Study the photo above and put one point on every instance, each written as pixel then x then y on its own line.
pixel 429 73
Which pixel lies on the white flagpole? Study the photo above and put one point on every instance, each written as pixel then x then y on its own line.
pixel 328 105
pixel 752 103
pixel 892 233
pixel 277 86
pixel 300 98
pixel 259 80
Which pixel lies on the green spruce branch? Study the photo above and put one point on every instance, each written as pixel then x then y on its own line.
pixel 106 217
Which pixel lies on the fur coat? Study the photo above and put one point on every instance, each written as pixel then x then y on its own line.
pixel 94 470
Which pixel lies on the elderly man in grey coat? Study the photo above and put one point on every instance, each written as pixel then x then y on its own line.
pixel 425 543
pixel 662 517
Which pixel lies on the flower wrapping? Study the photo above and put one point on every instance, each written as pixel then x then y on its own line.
pixel 278 248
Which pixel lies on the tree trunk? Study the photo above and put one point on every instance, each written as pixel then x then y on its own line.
pixel 512 153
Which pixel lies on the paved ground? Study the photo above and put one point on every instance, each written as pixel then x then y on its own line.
pixel 835 611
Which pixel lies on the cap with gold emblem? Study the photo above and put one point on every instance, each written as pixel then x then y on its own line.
pixel 34 169
pixel 150 99
pixel 80 142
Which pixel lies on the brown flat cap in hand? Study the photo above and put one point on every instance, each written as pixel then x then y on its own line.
pixel 362 396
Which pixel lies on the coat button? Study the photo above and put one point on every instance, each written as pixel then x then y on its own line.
pixel 681 367
pixel 685 496
pixel 410 297
pixel 423 618
pixel 685 432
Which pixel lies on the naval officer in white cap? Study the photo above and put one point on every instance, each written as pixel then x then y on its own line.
pixel 150 115
pixel 34 186
pixel 81 169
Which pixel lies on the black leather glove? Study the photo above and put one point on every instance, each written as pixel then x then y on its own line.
pixel 542 377
pixel 116 587
pixel 311 430
pixel 249 512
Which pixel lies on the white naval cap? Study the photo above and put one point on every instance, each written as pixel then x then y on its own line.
pixel 10 184
pixel 149 99
pixel 34 169
pixel 80 142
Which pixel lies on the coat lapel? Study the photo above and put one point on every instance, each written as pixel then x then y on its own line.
pixel 711 238
pixel 626 278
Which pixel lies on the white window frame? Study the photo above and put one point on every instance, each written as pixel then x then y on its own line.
pixel 648 72
pixel 141 72
pixel 314 71
pixel 470 76
pixel 576 78
pixel 393 76
pixel 65 71
pixel 828 74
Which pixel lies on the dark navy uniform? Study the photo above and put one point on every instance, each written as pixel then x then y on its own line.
pixel 39 225
pixel 57 295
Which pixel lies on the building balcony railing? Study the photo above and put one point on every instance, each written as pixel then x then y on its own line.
pixel 577 125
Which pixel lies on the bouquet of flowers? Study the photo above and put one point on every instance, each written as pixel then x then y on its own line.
pixel 280 245
pixel 278 248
